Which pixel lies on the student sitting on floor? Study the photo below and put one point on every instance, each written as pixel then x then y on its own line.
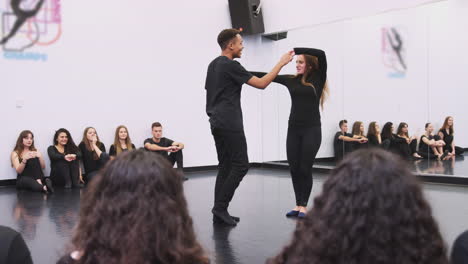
pixel 29 163
pixel 93 152
pixel 371 210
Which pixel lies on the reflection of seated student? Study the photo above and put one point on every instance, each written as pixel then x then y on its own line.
pixel 373 135
pixel 13 248
pixel 391 141
pixel 406 148
pixel 460 249
pixel 343 140
pixel 358 133
pixel 446 134
pixel 431 146
pixel 64 158
pixel 122 142
pixel 94 153
pixel 29 163
pixel 162 146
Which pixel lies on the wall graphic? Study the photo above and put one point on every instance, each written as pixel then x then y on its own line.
pixel 28 28
pixel 394 51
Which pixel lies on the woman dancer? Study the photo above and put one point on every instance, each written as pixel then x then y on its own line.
pixel 308 90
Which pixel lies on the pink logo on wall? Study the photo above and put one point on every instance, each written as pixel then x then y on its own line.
pixel 27 26
pixel 394 52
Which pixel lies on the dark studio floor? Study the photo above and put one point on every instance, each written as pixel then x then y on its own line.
pixel 261 201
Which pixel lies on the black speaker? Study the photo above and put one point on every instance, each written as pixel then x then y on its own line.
pixel 246 15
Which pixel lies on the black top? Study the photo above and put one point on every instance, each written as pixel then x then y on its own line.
pixel 164 142
pixel 55 156
pixel 32 169
pixel 340 146
pixel 91 164
pixel 460 249
pixel 448 139
pixel 305 100
pixel 223 85
pixel 113 150
pixel 373 141
pixel 423 147
pixel 13 249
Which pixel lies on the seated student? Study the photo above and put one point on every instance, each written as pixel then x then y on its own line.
pixel 342 143
pixel 371 210
pixel 430 145
pixel 122 142
pixel 358 132
pixel 29 163
pixel 373 135
pixel 407 148
pixel 390 141
pixel 93 152
pixel 64 158
pixel 162 146
pixel 13 249
pixel 135 212
pixel 446 134
pixel 460 249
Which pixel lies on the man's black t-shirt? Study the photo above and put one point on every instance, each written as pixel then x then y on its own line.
pixel 164 142
pixel 341 147
pixel 223 85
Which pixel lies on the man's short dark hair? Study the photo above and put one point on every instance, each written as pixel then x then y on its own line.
pixel 344 121
pixel 156 124
pixel 227 35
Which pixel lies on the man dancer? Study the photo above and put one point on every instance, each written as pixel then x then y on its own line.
pixel 224 81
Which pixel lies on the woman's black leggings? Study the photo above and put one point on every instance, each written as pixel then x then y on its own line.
pixel 28 183
pixel 302 145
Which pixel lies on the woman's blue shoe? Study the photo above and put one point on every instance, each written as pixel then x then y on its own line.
pixel 292 213
pixel 301 215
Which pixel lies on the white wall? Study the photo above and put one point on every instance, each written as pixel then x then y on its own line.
pixel 118 62
pixel 282 15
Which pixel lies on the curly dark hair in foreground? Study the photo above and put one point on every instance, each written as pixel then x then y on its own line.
pixel 371 211
pixel 135 212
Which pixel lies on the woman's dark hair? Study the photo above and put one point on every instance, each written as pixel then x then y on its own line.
pixel 135 211
pixel 372 130
pixel 426 125
pixel 19 146
pixel 225 36
pixel 387 131
pixel 70 147
pixel 371 210
pixel 400 129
